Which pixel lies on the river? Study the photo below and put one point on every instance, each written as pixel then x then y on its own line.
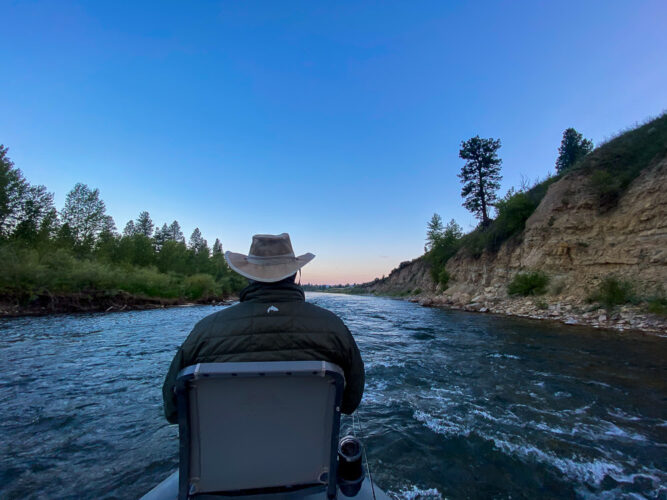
pixel 457 405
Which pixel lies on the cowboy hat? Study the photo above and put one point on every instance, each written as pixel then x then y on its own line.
pixel 270 259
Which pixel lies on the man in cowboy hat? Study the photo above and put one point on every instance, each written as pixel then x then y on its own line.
pixel 272 322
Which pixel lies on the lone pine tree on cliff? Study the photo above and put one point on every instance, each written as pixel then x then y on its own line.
pixel 572 148
pixel 480 175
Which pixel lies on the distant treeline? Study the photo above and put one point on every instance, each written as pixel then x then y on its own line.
pixel 78 249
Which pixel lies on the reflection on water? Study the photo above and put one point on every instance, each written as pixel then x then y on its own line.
pixel 456 405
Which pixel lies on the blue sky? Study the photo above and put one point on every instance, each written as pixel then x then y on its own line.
pixel 338 122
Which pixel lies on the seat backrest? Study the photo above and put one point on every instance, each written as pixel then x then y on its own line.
pixel 258 426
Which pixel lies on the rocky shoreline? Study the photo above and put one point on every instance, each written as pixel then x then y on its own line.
pixel 93 302
pixel 568 310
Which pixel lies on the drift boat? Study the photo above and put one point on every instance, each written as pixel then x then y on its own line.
pixel 264 430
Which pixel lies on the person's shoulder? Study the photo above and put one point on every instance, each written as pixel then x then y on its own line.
pixel 322 313
pixel 222 316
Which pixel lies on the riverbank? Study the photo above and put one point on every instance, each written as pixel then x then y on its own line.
pixel 95 301
pixel 569 311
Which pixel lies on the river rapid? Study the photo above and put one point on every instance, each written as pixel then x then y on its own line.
pixel 457 405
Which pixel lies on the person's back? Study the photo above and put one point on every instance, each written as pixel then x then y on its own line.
pixel 272 322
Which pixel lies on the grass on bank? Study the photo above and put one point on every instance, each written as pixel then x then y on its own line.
pixel 615 164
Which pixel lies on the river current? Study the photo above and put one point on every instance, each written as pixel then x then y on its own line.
pixel 457 405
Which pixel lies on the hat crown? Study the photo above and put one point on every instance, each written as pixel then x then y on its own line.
pixel 269 245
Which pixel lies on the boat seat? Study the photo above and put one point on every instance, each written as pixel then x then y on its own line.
pixel 258 427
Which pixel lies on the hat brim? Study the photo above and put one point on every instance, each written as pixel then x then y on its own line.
pixel 269 272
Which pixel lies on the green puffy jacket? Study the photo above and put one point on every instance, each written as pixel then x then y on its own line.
pixel 273 322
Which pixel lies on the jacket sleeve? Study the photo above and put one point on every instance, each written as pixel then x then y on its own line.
pixel 355 377
pixel 170 406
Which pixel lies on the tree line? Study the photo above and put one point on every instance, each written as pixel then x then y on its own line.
pixel 79 248
pixel 481 176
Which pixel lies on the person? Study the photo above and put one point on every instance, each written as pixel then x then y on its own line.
pixel 271 322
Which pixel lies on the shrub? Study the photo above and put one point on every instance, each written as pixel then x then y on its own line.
pixel 417 291
pixel 531 283
pixel 613 291
pixel 443 278
pixel 199 286
pixel 657 305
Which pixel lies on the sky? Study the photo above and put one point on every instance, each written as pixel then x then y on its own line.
pixel 337 122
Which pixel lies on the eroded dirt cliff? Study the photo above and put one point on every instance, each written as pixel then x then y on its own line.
pixel 577 244
pixel 573 240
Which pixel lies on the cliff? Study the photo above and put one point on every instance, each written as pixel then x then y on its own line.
pixel 576 244
pixel 577 238
pixel 410 277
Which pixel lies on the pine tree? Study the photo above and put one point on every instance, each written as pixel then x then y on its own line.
pixel 85 214
pixel 480 175
pixel 109 226
pixel 572 148
pixel 161 236
pixel 197 242
pixel 129 230
pixel 433 232
pixel 175 233
pixel 217 247
pixel 144 225
pixel 13 190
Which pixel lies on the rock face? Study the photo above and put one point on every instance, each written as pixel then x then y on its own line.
pixel 407 277
pixel 576 244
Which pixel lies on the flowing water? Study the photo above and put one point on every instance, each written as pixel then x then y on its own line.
pixel 457 405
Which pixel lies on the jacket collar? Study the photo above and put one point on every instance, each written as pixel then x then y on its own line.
pixel 272 292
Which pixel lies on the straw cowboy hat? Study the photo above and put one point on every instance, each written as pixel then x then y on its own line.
pixel 270 259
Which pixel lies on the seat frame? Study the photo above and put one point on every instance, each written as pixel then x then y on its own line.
pixel 255 369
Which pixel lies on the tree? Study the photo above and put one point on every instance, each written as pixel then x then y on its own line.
pixel 161 236
pixel 85 214
pixel 197 242
pixel 175 233
pixel 572 148
pixel 480 175
pixel 444 248
pixel 13 190
pixel 200 253
pixel 144 224
pixel 130 229
pixel 37 217
pixel 433 232
pixel 109 226
pixel 217 247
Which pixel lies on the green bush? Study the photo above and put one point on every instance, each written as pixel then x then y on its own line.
pixel 25 273
pixel 657 305
pixel 531 283
pixel 200 286
pixel 417 291
pixel 613 291
pixel 443 278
